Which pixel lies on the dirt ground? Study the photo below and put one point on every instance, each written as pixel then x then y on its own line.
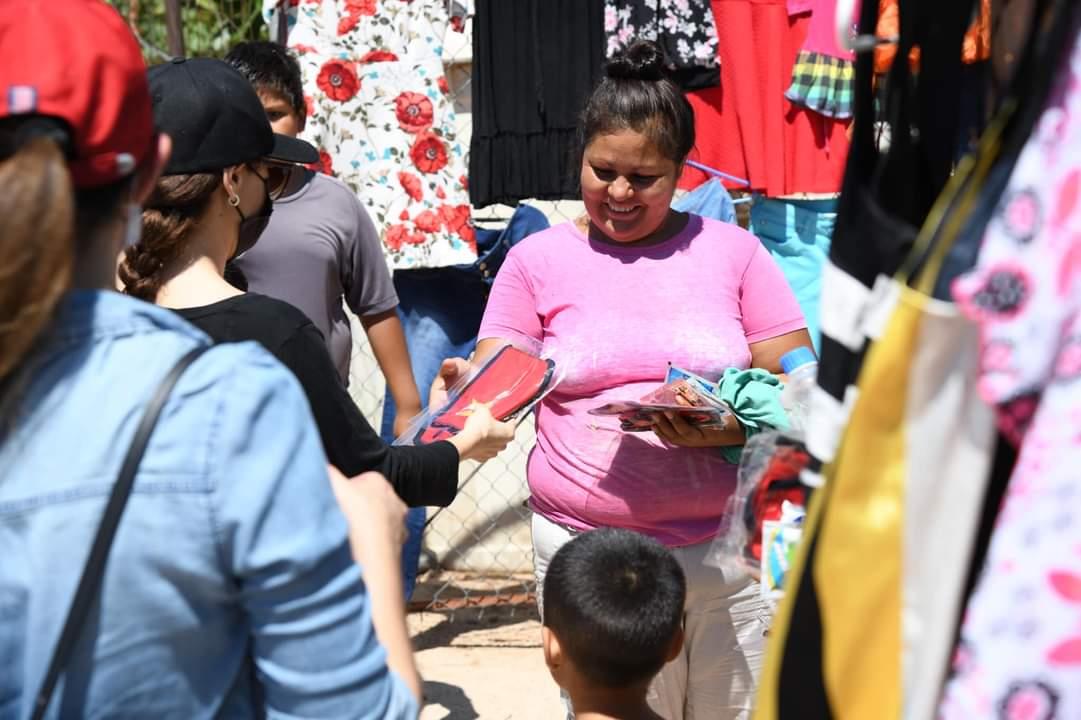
pixel 477 644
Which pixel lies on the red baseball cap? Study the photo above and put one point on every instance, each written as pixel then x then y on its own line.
pixel 76 60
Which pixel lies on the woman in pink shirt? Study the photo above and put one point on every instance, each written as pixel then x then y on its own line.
pixel 614 297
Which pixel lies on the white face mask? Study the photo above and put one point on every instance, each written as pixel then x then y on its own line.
pixel 133 231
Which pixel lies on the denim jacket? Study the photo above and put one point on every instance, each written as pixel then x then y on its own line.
pixel 230 590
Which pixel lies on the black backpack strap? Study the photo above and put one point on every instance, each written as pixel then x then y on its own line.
pixel 95 565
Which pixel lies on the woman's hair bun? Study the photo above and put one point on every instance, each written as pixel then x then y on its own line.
pixel 641 60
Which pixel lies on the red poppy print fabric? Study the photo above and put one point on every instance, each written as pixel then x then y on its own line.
pixel 414 112
pixel 338 80
pixel 412 185
pixel 380 113
pixel 428 154
pixel 378 56
pixel 1019 656
pixel 325 164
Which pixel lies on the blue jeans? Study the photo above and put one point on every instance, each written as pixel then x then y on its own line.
pixel 440 310
pixel 797 234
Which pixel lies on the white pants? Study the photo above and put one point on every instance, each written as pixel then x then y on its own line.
pixel 725 624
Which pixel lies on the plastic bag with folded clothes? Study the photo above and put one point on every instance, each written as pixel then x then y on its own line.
pixel 763 521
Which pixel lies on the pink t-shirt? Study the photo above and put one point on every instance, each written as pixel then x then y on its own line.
pixel 612 318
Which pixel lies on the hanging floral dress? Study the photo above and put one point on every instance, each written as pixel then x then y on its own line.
pixel 683 28
pixel 380 114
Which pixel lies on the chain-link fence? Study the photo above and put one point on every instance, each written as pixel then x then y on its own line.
pixel 477 553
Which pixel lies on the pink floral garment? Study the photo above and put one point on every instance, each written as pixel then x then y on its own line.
pixel 1019 655
pixel 684 28
pixel 379 112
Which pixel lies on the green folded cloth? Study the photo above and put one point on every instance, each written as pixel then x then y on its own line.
pixel 754 397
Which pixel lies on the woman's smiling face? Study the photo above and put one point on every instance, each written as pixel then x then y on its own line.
pixel 627 185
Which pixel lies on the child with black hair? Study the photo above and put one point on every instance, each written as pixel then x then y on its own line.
pixel 321 245
pixel 613 616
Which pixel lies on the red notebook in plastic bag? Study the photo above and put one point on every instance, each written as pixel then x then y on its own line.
pixel 507 383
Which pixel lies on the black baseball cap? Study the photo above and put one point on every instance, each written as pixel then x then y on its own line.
pixel 215 118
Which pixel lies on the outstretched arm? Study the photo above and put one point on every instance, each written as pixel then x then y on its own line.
pixel 387 339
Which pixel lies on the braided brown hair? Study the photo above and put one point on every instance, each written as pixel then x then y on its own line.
pixel 170 214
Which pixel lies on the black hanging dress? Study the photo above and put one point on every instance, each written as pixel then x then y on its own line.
pixel 535 62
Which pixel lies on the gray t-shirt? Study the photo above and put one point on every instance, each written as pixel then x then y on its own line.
pixel 321 245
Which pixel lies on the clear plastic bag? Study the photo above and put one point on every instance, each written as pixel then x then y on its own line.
pixel 763 510
pixel 510 382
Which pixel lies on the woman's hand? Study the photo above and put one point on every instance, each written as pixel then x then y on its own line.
pixel 451 371
pixel 673 429
pixel 454 369
pixel 483 437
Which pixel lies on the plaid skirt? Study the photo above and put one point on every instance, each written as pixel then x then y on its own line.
pixel 822 83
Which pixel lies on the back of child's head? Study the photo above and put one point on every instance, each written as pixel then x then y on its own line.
pixel 270 68
pixel 614 600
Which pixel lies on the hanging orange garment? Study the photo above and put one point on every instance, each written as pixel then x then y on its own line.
pixel 977 43
pixel 975 48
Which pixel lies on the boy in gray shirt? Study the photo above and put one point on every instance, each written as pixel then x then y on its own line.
pixel 321 246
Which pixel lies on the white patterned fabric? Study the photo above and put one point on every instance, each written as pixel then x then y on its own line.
pixel 380 114
pixel 1019 655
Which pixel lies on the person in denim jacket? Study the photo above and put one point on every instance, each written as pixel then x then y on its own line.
pixel 230 590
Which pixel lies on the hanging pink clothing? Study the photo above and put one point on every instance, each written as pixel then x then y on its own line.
pixel 747 127
pixel 1019 654
pixel 823 79
pixel 822 32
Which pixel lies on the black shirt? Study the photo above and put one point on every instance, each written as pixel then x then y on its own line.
pixel 421 475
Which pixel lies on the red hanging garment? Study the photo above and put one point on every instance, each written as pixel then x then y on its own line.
pixel 746 127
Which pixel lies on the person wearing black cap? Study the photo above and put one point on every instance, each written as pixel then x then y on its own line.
pixel 228 588
pixel 226 168
pixel 214 198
